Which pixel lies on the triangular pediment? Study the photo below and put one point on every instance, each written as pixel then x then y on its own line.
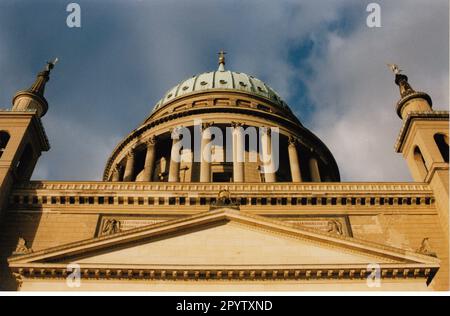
pixel 224 236
pixel 229 242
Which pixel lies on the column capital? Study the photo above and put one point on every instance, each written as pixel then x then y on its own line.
pixel 207 125
pixel 292 141
pixel 266 130
pixel 132 152
pixel 237 124
pixel 151 141
pixel 175 132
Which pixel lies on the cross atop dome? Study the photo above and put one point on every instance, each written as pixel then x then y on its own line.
pixel 222 60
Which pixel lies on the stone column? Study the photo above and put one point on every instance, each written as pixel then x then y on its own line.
pixel 293 160
pixel 238 152
pixel 314 169
pixel 175 157
pixel 205 162
pixel 267 157
pixel 129 167
pixel 116 174
pixel 149 164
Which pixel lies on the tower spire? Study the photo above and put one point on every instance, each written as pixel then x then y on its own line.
pixel 410 99
pixel 222 60
pixel 42 78
pixel 33 98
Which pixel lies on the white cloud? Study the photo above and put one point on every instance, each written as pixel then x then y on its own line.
pixel 137 51
pixel 355 92
pixel 181 39
pixel 78 152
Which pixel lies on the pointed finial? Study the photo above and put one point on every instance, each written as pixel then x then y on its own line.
pixel 394 68
pixel 33 98
pixel 42 78
pixel 51 64
pixel 401 80
pixel 407 93
pixel 222 60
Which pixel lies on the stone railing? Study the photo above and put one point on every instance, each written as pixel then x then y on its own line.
pixel 39 193
pixel 331 187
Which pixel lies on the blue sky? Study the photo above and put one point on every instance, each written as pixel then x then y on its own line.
pixel 319 55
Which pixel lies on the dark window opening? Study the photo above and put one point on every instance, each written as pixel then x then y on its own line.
pixel 222 177
pixel 4 139
pixel 23 167
pixel 420 161
pixel 442 143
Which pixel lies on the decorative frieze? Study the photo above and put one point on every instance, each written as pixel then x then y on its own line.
pixel 22 248
pixel 334 225
pixel 425 248
pixel 109 225
pixel 336 187
pixel 253 273
pixel 106 194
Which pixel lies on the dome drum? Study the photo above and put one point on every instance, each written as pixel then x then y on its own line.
pixel 308 147
pixel 254 122
pixel 219 98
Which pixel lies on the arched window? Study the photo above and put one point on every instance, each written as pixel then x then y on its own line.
pixel 24 164
pixel 442 143
pixel 4 139
pixel 420 162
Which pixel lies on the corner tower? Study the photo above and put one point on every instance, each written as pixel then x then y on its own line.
pixel 22 136
pixel 424 142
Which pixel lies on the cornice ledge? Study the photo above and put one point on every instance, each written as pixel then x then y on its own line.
pixel 306 187
pixel 353 244
pixel 226 273
pixel 428 116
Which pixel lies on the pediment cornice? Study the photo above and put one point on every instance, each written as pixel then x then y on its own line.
pixel 393 262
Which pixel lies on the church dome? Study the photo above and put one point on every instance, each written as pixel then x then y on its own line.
pixel 233 104
pixel 221 80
